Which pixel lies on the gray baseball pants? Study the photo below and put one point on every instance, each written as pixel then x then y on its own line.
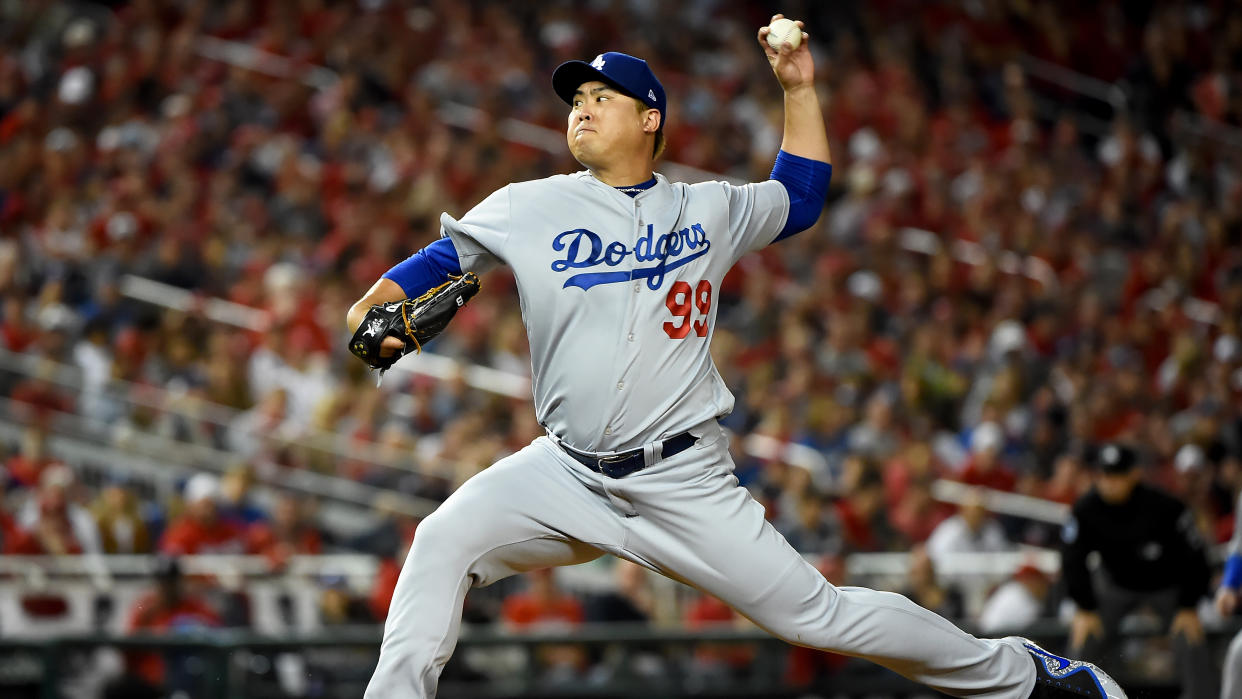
pixel 684 517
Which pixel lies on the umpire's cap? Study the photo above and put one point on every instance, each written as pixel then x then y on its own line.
pixel 628 74
pixel 1114 458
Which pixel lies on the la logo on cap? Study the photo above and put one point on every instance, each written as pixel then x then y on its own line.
pixel 651 95
pixel 598 63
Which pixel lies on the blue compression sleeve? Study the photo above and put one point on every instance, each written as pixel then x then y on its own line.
pixel 806 181
pixel 427 268
pixel 1233 572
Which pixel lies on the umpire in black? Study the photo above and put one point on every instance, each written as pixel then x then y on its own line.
pixel 1150 555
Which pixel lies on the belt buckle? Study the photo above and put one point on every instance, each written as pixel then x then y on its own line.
pixel 605 462
pixel 613 459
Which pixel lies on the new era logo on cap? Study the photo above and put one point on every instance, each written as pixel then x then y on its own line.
pixel 625 72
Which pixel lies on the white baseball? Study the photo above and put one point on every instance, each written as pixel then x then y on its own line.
pixel 783 30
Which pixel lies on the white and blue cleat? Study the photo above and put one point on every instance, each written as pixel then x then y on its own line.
pixel 1058 678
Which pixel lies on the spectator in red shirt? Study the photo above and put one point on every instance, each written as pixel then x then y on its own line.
pixel 1069 480
pixel 25 466
pixel 864 523
pixel 384 586
pixel 707 611
pixel 544 606
pixel 200 529
pixel 805 665
pixel 984 467
pixel 52 523
pixel 917 515
pixel 288 534
pixel 389 570
pixel 16 331
pixel 715 663
pixel 39 397
pixel 169 608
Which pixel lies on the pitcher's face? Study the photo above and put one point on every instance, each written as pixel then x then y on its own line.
pixel 605 125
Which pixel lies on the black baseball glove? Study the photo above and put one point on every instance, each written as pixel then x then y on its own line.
pixel 413 321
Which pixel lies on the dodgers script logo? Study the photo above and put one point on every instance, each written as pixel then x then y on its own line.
pixel 584 249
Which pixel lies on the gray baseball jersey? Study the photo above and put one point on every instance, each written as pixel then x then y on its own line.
pixel 618 295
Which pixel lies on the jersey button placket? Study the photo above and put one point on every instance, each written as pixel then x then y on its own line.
pixel 633 306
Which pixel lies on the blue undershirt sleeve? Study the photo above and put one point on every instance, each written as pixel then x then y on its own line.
pixel 806 181
pixel 427 268
pixel 1233 572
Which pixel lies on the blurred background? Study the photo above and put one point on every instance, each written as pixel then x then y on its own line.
pixel 1032 246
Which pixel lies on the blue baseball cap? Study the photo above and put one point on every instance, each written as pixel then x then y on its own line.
pixel 628 74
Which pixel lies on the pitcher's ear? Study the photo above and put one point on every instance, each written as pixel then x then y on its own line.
pixel 651 121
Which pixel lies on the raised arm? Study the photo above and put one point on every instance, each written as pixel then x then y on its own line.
pixel 805 134
pixel 804 164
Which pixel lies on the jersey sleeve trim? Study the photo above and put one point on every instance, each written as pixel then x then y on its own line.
pixel 1233 572
pixel 806 181
pixel 426 269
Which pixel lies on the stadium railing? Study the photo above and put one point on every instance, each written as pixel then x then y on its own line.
pixel 621 661
pixel 93 593
pixel 157 462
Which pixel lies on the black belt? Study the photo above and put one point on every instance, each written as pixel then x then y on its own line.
pixel 624 463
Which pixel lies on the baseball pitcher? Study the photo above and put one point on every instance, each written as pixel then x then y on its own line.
pixel 618 271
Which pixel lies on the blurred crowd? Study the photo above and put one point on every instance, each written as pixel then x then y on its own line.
pixel 1102 301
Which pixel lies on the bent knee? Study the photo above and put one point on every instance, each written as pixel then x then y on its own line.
pixel 446 541
pixel 434 529
pixel 441 538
